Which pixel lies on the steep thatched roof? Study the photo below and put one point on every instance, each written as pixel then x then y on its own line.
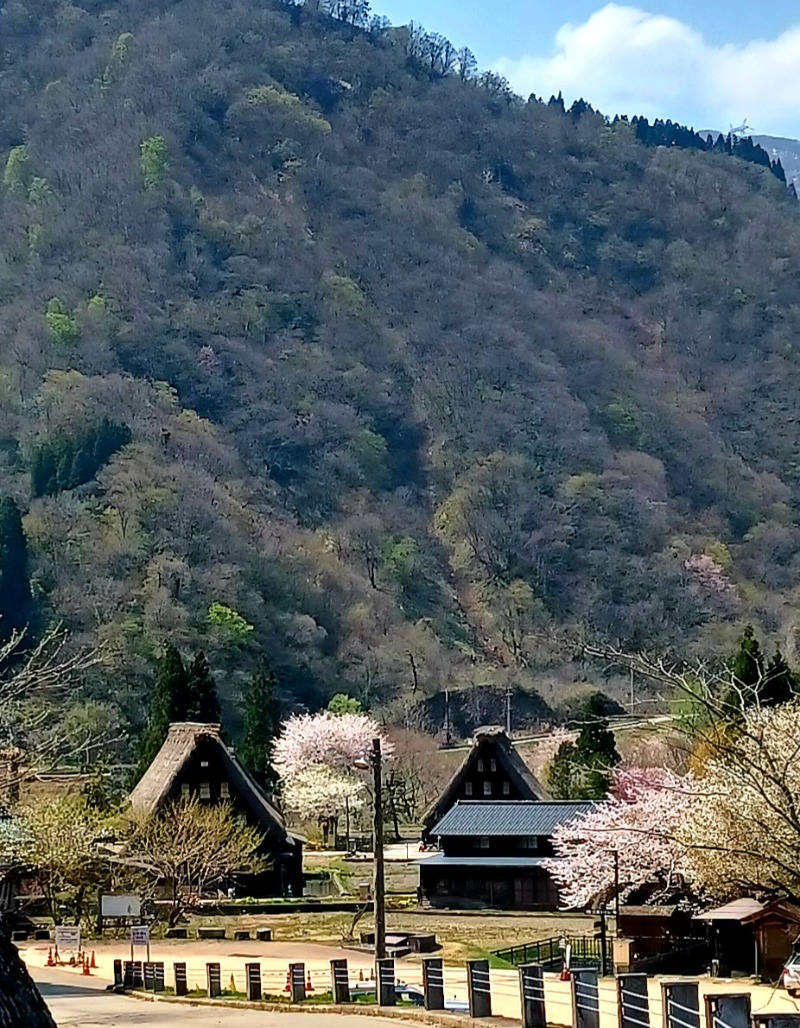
pixel 157 783
pixel 491 741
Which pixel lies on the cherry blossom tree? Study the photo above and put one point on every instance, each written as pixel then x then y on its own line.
pixel 638 828
pixel 318 792
pixel 315 756
pixel 332 740
pixel 744 829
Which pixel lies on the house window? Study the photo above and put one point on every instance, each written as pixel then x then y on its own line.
pixel 205 791
pixel 224 791
pixel 529 842
pixel 487 788
pixel 203 763
pixel 468 789
pixel 493 765
pixel 480 766
pixel 506 788
pixel 186 790
pixel 484 842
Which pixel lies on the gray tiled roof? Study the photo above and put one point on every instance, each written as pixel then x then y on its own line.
pixel 509 818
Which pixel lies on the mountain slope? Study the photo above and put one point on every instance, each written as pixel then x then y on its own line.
pixel 421 380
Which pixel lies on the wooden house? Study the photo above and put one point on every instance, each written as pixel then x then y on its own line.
pixel 491 770
pixel 195 762
pixel 493 853
pixel 751 937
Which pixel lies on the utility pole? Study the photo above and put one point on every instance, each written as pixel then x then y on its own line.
pixel 448 737
pixel 632 700
pixel 616 891
pixel 508 713
pixel 379 887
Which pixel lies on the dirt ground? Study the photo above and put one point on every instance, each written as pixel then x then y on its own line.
pixel 462 935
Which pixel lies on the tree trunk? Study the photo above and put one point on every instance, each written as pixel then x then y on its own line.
pixel 20 1002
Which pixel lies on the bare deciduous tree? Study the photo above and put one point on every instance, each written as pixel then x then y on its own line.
pixel 192 848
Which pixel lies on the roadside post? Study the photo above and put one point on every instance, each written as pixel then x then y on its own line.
pixel 479 988
pixel 433 983
pixel 585 999
pixel 634 1002
pixel 681 1004
pixel 214 980
pixel 297 980
pixel 531 989
pixel 253 976
pixel 181 979
pixel 387 996
pixel 340 981
pixel 728 1010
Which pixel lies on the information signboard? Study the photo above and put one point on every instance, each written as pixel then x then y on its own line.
pixel 68 938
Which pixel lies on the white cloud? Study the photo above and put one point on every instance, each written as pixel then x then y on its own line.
pixel 627 61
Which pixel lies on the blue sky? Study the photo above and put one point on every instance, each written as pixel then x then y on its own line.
pixel 709 63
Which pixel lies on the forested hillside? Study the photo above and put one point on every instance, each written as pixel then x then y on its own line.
pixel 317 344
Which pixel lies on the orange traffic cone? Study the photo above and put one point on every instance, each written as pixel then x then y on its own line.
pixel 565 975
pixel 92 963
pixel 288 986
pixel 361 975
pixel 309 986
pixel 85 969
pixel 50 961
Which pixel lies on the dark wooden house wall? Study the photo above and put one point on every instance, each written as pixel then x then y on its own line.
pixel 475 888
pixel 205 776
pixel 486 778
pixel 497 846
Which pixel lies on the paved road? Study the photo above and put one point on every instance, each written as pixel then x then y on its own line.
pixel 79 1002
pixel 77 1005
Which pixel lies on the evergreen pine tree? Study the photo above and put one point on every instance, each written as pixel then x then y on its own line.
pixel 15 587
pixel 562 774
pixel 596 752
pixel 779 684
pixel 203 705
pixel 747 669
pixel 168 702
pixel 261 726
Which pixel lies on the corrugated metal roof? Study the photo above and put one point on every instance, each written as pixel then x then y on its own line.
pixel 749 911
pixel 509 818
pixel 736 910
pixel 440 860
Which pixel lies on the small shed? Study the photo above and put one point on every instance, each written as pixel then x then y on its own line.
pixel 753 937
pixel 656 922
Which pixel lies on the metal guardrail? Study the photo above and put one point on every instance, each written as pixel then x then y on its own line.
pixel 585 952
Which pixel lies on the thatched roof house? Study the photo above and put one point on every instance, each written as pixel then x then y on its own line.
pixel 491 770
pixel 195 762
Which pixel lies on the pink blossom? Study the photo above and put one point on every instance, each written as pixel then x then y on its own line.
pixel 640 824
pixel 333 740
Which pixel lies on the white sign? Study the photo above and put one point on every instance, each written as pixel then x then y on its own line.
pixel 140 935
pixel 120 906
pixel 68 937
